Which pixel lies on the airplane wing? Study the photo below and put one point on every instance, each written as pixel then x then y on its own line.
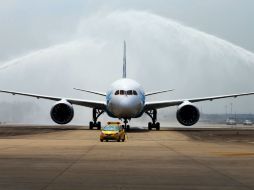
pixel 89 91
pixel 86 103
pixel 158 92
pixel 163 104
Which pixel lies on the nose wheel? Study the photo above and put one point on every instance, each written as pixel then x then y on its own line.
pixel 154 124
pixel 96 114
pixel 126 126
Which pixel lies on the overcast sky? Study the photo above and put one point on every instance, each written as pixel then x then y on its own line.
pixel 40 37
pixel 30 24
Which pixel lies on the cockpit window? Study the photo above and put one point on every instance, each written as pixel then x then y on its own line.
pixel 122 92
pixel 117 92
pixel 129 92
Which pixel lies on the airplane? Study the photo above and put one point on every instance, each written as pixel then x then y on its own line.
pixel 125 100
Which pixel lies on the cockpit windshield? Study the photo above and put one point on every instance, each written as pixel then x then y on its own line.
pixel 128 92
pixel 122 92
pixel 117 92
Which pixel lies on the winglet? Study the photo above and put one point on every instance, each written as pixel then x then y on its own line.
pixel 124 59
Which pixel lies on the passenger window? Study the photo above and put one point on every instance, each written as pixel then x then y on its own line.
pixel 135 92
pixel 117 92
pixel 121 92
pixel 129 92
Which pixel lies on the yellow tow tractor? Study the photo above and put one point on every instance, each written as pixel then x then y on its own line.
pixel 112 131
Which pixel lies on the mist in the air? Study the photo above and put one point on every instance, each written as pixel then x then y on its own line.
pixel 162 53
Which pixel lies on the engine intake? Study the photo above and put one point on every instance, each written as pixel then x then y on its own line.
pixel 187 114
pixel 62 112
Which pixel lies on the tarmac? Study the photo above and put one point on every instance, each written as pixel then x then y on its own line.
pixel 73 158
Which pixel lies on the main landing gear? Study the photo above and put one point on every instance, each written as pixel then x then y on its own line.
pixel 153 115
pixel 96 114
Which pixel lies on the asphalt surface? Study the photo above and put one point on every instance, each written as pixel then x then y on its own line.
pixel 72 158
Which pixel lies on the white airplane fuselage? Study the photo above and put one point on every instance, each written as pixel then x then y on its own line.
pixel 125 99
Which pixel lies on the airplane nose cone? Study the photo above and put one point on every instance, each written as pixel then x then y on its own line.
pixel 127 107
pixel 125 104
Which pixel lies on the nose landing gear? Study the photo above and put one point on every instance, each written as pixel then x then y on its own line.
pixel 96 114
pixel 153 115
pixel 126 126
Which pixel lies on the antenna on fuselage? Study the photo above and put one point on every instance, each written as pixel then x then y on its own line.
pixel 124 59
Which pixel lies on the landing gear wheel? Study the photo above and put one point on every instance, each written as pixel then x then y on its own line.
pixel 153 125
pixel 127 128
pixel 96 114
pixel 149 126
pixel 99 125
pixel 91 125
pixel 153 115
pixel 158 126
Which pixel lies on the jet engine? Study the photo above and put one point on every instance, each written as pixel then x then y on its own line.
pixel 187 114
pixel 62 112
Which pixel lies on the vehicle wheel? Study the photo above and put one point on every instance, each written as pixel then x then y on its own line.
pixel 123 139
pixel 149 126
pixel 101 140
pixel 106 140
pixel 118 140
pixel 157 126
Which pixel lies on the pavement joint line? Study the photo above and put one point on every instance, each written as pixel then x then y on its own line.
pixel 205 165
pixel 68 167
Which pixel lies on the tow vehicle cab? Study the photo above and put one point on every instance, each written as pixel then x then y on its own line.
pixel 112 131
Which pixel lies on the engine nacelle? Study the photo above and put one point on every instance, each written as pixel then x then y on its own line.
pixel 62 112
pixel 187 114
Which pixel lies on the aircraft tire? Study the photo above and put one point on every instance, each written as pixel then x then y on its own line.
pixel 149 126
pixel 98 125
pixel 157 126
pixel 91 125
